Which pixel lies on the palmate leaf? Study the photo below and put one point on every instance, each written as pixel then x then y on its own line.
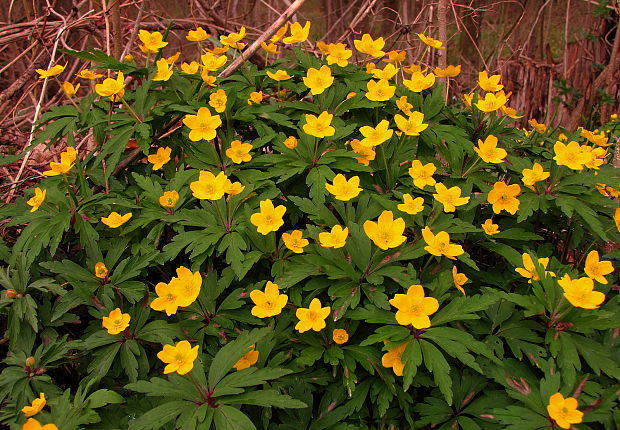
pixel 463 308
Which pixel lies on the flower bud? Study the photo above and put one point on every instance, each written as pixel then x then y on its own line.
pixel 11 293
pixel 31 361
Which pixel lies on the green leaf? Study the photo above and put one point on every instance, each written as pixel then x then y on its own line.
pixel 229 418
pixel 436 363
pixel 157 417
pixel 463 308
pixel 104 397
pixel 232 352
pixel 267 398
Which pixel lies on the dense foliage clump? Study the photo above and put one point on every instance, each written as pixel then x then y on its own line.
pixel 324 243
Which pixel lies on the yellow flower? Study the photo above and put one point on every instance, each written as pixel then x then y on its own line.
pixel 448 72
pixel 504 197
pixel 413 68
pixel 179 358
pixel 340 336
pixel 489 83
pixel 404 106
pixel 35 407
pixel 319 126
pixel 186 286
pixel 37 200
pixel 169 199
pixel 387 73
pixel 164 70
pixel 190 68
pixel 608 191
pixel 256 97
pixel 269 218
pixel 468 98
pixel 115 219
pixel 173 58
pixel 337 238
pixel 338 54
pixel 450 198
pixel 374 136
pixel 580 292
pixel 279 75
pixel 344 189
pixel 88 74
pixel 596 156
pixel 280 33
pixel 491 102
pixel 298 33
pixel 312 318
pixel 290 142
pixel 166 298
pixel 393 359
pixel 380 91
pixel 153 42
pixel 508 111
pixel 598 139
pixel 208 186
pixel 369 46
pixel 570 155
pixel 33 424
pixel 490 228
pixel 51 72
pixel 395 57
pixel 268 303
pixel 128 58
pixel 596 269
pixel 233 188
pixel 533 175
pixel 234 39
pixel 422 174
pixel 239 152
pixel 414 308
pixel 387 232
pixel 67 159
pixel 202 125
pixel 294 241
pixel 413 125
pixel 116 321
pixel 112 88
pixel 537 127
pixel 208 79
pixel 370 67
pixel 529 270
pixel 248 360
pixel 197 35
pixel 488 150
pixel 270 48
pixel 439 244
pixel 564 410
pixel 433 43
pixel 419 82
pixel 617 218
pixel 459 279
pixel 70 89
pixel 101 271
pixel 211 62
pixel 318 80
pixel 161 157
pixel 368 154
pixel 411 206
